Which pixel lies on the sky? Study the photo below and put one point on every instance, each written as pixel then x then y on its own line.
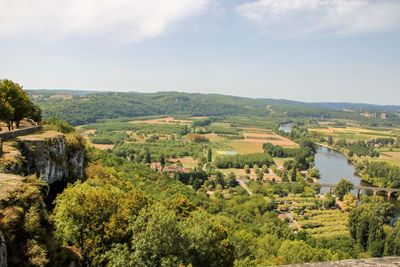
pixel 307 50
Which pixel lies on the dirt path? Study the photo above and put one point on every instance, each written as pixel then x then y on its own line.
pixel 243 184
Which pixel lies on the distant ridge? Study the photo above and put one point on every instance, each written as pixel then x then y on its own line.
pixel 85 106
pixel 324 105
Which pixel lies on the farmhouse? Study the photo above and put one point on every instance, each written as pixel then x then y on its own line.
pixel 170 170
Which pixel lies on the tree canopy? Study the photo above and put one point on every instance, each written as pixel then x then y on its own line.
pixel 15 104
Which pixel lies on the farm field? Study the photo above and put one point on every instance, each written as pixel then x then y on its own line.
pixel 167 120
pixel 316 221
pixel 391 157
pixel 354 133
pixel 187 162
pixel 253 142
pixel 246 147
pixel 277 140
pixel 324 223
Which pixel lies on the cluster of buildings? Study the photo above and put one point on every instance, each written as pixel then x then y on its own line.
pixel 170 170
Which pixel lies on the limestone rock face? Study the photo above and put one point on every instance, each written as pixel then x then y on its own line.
pixel 3 251
pixel 50 158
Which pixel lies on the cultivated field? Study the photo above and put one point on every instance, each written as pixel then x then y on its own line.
pixel 354 133
pixel 246 147
pixel 252 137
pixel 168 120
pixel 391 157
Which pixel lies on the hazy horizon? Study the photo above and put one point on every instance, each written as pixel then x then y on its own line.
pixel 305 50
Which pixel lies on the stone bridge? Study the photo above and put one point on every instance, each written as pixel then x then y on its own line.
pixel 389 191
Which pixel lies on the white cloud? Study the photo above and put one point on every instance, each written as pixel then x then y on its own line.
pixel 297 18
pixel 121 20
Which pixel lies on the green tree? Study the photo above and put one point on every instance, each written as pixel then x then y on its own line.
pixel 343 187
pixel 246 169
pixel 392 243
pixel 36 114
pixel 231 180
pixel 157 240
pixel 220 179
pixel 260 175
pixel 18 99
pixel 298 251
pixel 209 243
pixel 209 155
pixel 349 201
pixel 147 156
pixel 256 169
pixel 95 214
pixel 7 112
pixel 314 173
pixel 264 168
pixel 330 140
pixel 366 225
pixel 162 160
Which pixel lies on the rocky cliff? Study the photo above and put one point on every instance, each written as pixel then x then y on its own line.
pixel 51 155
pixel 3 251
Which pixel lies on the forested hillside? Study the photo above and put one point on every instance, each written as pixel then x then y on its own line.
pixel 86 109
pixel 82 107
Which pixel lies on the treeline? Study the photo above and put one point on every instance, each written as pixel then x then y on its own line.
pixel 195 178
pixel 15 105
pixel 358 148
pixel 280 152
pixel 152 152
pixel 239 161
pixel 379 173
pixel 139 128
pixel 203 122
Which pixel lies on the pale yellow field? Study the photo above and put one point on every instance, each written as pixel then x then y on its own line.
pixel 169 120
pixel 273 138
pixel 392 157
pixel 103 146
pixel 353 133
pixel 245 147
pixel 213 137
pixel 61 96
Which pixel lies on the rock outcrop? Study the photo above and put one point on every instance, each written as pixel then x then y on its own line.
pixel 3 251
pixel 48 155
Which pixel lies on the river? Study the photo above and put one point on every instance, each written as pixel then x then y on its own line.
pixel 334 166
